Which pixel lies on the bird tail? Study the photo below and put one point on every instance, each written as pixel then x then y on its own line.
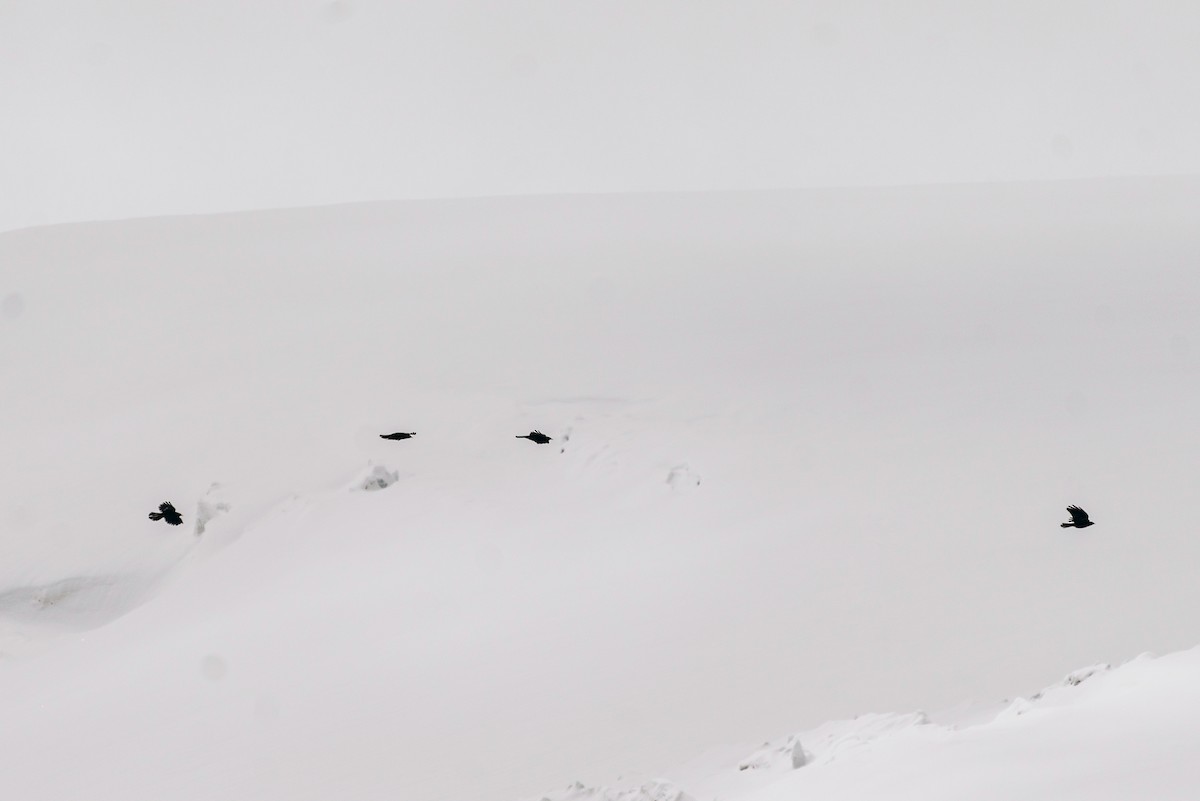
pixel 1066 525
pixel 156 516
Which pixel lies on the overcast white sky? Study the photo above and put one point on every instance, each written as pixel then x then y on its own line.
pixel 116 108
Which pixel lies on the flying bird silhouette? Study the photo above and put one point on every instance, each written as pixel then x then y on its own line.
pixel 535 436
pixel 166 511
pixel 398 435
pixel 1079 518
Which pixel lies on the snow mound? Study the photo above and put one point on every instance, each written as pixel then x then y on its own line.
pixel 31 615
pixel 1077 677
pixel 1115 733
pixel 789 755
pixel 1018 707
pixel 682 478
pixel 1056 694
pixel 376 478
pixel 209 508
pixel 829 741
pixel 79 595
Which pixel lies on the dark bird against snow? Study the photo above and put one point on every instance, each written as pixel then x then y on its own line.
pixel 398 435
pixel 1079 518
pixel 535 436
pixel 166 511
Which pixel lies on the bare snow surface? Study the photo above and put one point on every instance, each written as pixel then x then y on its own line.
pixel 1127 734
pixel 810 455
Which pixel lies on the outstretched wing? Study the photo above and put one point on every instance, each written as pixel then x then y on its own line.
pixel 166 508
pixel 1077 515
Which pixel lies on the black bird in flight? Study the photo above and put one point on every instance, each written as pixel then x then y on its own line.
pixel 398 435
pixel 166 511
pixel 535 436
pixel 1079 518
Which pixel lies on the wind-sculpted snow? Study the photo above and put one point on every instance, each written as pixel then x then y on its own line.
pixel 809 456
pixel 1121 734
pixel 31 615
pixel 1063 692
pixel 830 741
pixel 1098 741
pixel 209 508
pixel 789 755
pixel 683 478
pixel 376 477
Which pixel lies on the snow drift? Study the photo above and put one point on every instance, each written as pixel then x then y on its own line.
pixel 810 455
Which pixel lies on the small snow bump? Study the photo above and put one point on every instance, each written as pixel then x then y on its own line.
pixel 682 478
pixel 1078 677
pixel 377 478
pixel 789 755
pixel 209 508
pixel 1018 707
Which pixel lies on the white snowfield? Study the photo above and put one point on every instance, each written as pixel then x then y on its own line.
pixel 1128 733
pixel 810 453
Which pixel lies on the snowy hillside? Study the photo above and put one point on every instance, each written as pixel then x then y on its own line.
pixel 1125 734
pixel 810 452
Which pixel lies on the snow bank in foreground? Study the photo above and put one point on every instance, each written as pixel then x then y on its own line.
pixel 1101 734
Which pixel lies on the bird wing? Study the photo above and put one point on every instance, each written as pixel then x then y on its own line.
pixel 1077 514
pixel 165 508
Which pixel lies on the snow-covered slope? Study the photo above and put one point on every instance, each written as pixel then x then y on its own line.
pixel 810 453
pixel 1126 734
